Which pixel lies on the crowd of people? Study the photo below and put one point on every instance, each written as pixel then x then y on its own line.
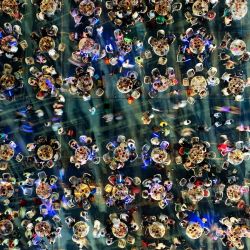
pixel 142 192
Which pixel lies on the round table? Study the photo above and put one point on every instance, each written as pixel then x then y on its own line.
pixel 8 42
pixel 46 43
pixel 198 83
pixel 235 157
pixel 194 231
pixel 161 84
pixel 159 155
pixel 86 45
pixel 126 5
pixel 82 191
pixel 236 85
pixel 238 9
pixel 6 227
pixel 81 229
pixel 120 192
pixel 42 229
pixel 86 7
pixel 124 85
pixel 238 47
pixel 156 230
pixel 234 193
pixel 48 6
pixel 6 189
pixel 163 7
pixel 124 47
pixel 121 154
pixel 82 154
pixel 200 8
pixel 7 82
pixel 43 190
pixel 45 152
pixel 161 47
pixel 120 231
pixel 196 45
pixel 196 194
pixel 85 83
pixel 157 192
pixel 197 153
pixel 45 82
pixel 10 7
pixel 6 152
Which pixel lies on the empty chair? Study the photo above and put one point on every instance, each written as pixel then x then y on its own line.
pixel 160 34
pixel 40 16
pixel 147 79
pixel 155 72
pixel 98 11
pixel 42 176
pixel 176 6
pixel 189 32
pixel 199 67
pixel 151 14
pixel 212 71
pixel 135 94
pixel 145 194
pixel 109 5
pixel 152 93
pixel 19 157
pixel 111 15
pixel 162 60
pixel 185 82
pixel 239 144
pixel 190 100
pixel 99 92
pixel 148 54
pixel 8 27
pixel 190 73
pixel 27 191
